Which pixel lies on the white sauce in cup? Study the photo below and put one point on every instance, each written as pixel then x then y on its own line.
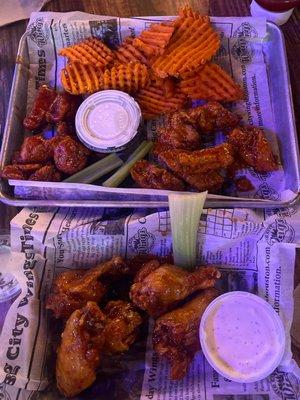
pixel 242 337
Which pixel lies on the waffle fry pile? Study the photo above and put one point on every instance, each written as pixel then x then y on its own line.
pixel 164 68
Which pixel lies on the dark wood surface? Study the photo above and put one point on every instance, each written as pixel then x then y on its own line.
pixel 11 34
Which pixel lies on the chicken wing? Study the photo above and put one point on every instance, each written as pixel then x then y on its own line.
pixel 178 136
pixel 253 148
pixel 19 171
pixel 35 149
pixel 121 326
pixel 42 103
pixel 70 156
pixel 148 175
pixel 46 173
pixel 213 117
pixel 210 117
pixel 162 289
pixel 211 181
pixel 63 108
pixel 176 334
pixel 80 349
pixel 200 161
pixel 72 289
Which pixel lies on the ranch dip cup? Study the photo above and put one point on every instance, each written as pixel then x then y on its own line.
pixel 242 337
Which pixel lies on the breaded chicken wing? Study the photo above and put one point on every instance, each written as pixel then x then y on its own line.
pixel 178 136
pixel 200 161
pixel 176 334
pixel 162 289
pixel 210 117
pixel 72 289
pixel 148 175
pixel 36 118
pixel 63 108
pixel 80 349
pixel 253 148
pixel 211 181
pixel 121 326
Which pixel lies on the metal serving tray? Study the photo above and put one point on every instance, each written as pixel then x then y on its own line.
pixel 279 84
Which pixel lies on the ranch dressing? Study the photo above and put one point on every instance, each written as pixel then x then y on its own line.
pixel 242 337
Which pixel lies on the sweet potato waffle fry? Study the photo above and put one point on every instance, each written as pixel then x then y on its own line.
pixel 187 11
pixel 127 52
pixel 153 101
pixel 210 82
pixel 153 41
pixel 91 51
pixel 77 78
pixel 127 77
pixel 193 44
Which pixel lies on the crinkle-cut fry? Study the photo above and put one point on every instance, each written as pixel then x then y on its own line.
pixel 128 53
pixel 127 77
pixel 90 51
pixel 77 78
pixel 154 102
pixel 210 83
pixel 153 41
pixel 193 44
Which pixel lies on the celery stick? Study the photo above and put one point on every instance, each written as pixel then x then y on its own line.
pixel 185 212
pixel 96 170
pixel 119 176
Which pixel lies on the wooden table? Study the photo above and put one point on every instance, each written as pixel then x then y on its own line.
pixel 10 36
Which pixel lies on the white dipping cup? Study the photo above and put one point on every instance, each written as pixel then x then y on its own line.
pixel 258 305
pixel 108 121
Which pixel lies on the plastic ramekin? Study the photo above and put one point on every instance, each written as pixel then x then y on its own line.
pixel 108 121
pixel 259 305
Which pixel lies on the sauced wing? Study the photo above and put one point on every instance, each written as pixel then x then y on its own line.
pixel 148 175
pixel 72 289
pixel 80 349
pixel 253 148
pixel 121 326
pixel 176 334
pixel 163 288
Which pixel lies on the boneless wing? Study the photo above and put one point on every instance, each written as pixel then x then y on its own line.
pixel 79 353
pixel 200 161
pixel 176 334
pixel 162 289
pixel 70 156
pixel 148 175
pixel 210 117
pixel 253 148
pixel 178 136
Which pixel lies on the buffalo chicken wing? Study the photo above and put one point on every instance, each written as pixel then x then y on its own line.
pixel 36 119
pixel 176 334
pixel 164 287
